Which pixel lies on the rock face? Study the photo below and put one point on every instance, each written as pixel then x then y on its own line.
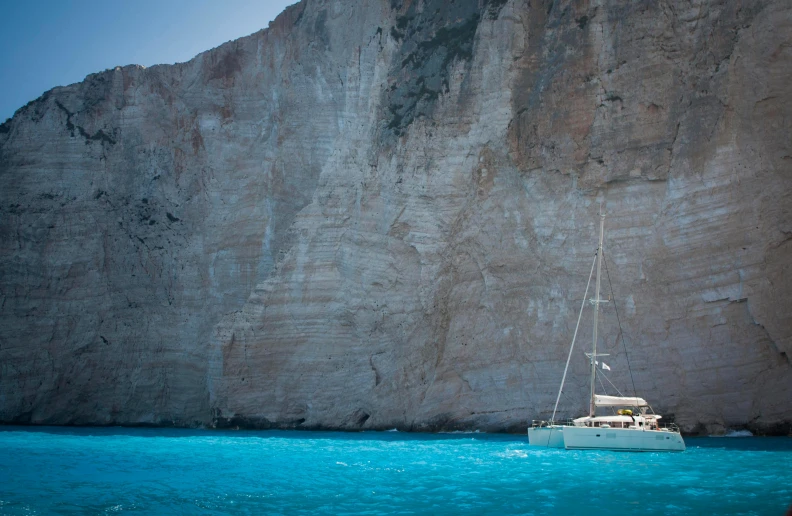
pixel 383 213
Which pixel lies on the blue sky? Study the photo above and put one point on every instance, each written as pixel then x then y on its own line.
pixel 48 43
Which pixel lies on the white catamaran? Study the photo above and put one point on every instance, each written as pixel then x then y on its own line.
pixel 632 425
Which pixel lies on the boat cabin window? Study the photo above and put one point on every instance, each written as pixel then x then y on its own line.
pixel 618 424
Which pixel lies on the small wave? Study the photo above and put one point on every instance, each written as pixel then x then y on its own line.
pixel 735 433
pixel 392 430
pixel 522 454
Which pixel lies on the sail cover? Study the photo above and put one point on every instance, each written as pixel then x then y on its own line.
pixel 617 401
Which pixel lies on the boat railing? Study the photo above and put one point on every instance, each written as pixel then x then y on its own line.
pixel 668 427
pixel 536 423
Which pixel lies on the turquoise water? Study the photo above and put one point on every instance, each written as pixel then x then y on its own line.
pixel 95 471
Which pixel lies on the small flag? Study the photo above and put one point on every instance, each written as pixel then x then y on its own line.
pixel 605 366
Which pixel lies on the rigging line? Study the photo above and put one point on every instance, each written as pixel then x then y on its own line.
pixel 566 367
pixel 610 382
pixel 568 398
pixel 621 332
pixel 602 384
pixel 613 409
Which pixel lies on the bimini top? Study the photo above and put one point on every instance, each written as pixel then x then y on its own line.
pixel 617 401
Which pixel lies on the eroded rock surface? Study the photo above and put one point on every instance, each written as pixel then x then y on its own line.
pixel 379 214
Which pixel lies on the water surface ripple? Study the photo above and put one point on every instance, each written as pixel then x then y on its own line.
pixel 155 471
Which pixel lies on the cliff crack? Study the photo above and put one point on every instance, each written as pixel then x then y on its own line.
pixel 70 126
pixel 69 114
pixel 377 377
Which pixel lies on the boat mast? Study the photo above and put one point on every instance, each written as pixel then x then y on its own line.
pixel 596 302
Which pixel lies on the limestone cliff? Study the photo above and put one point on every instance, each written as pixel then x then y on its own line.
pixel 382 213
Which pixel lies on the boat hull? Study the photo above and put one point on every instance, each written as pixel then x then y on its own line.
pixel 546 436
pixel 624 439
